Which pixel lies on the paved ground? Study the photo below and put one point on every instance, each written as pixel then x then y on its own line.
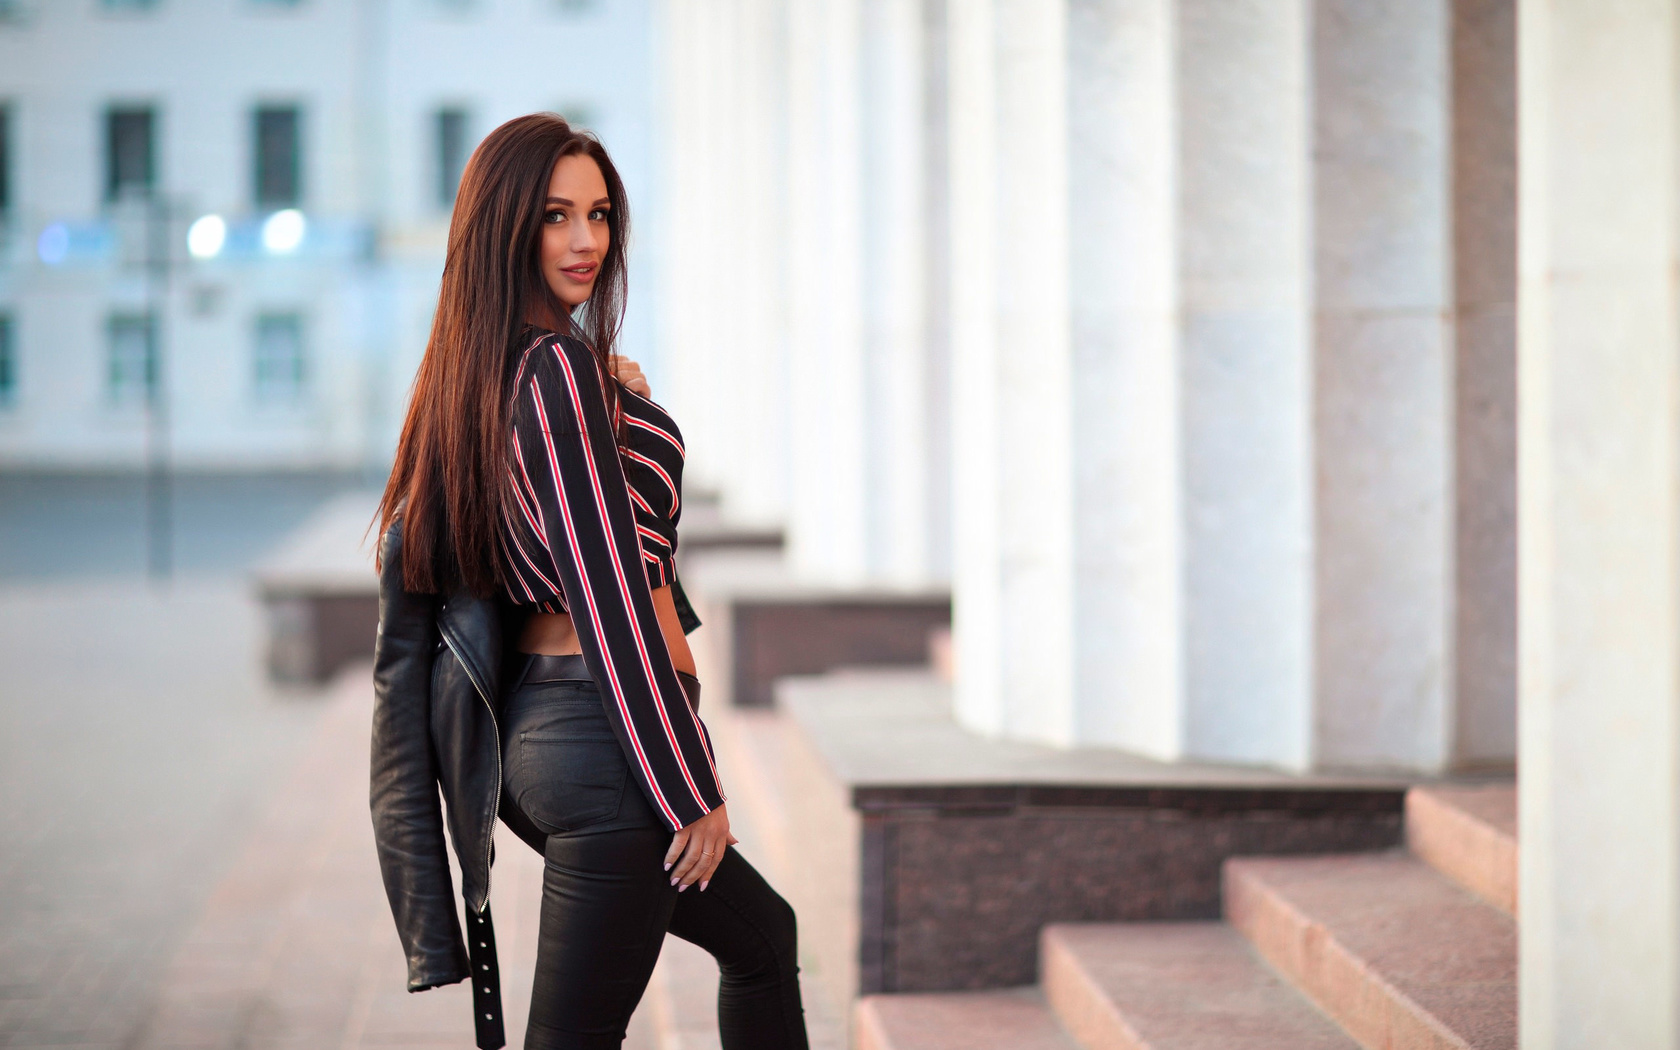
pixel 295 948
pixel 138 740
pixel 137 743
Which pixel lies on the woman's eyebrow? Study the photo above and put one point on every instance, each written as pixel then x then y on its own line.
pixel 563 202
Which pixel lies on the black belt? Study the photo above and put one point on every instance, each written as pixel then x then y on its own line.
pixel 546 667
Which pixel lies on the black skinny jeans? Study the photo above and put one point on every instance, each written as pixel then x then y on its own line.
pixel 608 901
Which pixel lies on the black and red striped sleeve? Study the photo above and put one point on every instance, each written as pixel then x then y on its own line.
pixel 566 452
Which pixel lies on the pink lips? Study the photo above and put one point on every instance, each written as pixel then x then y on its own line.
pixel 581 273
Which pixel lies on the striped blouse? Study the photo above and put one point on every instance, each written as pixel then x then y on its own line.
pixel 587 512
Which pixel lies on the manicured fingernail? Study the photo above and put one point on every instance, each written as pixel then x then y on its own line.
pixel 673 881
pixel 681 888
pixel 667 865
pixel 703 884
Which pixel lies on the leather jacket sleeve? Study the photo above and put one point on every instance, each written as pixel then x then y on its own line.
pixel 407 816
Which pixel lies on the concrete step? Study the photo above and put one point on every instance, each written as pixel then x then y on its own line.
pixel 1175 986
pixel 749 747
pixel 681 996
pixel 1014 1019
pixel 1396 953
pixel 1469 834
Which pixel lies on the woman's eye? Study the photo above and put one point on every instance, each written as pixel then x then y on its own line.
pixel 553 216
pixel 598 215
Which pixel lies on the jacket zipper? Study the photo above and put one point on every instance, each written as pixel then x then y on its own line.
pixel 496 798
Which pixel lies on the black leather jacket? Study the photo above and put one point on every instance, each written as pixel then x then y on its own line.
pixel 439 666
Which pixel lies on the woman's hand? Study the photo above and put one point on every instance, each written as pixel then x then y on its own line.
pixel 630 374
pixel 697 849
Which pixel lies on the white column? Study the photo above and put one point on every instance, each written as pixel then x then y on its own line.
pixel 1599 499
pixel 750 387
pixel 936 360
pixel 802 256
pixel 691 352
pixel 1034 369
pixel 894 265
pixel 1383 382
pixel 1011 362
pixel 978 630
pixel 1122 170
pixel 722 365
pixel 1245 378
pixel 828 377
pixel 682 152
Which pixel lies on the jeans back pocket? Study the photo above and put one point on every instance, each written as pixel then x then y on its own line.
pixel 566 770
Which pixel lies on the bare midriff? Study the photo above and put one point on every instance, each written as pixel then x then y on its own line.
pixel 553 633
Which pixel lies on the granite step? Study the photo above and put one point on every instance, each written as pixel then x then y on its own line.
pixel 1175 986
pixel 1469 834
pixel 1013 1019
pixel 1397 954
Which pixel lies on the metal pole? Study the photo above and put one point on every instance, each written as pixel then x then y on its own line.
pixel 159 476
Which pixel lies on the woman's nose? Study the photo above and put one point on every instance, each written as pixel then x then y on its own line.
pixel 584 240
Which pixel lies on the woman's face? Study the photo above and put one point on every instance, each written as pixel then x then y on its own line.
pixel 575 234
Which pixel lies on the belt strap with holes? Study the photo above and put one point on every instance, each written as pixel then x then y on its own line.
pixel 486 980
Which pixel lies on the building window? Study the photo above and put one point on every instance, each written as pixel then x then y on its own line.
pixel 130 151
pixel 278 359
pixel 450 130
pixel 278 157
pixel 5 159
pixel 8 361
pixel 131 371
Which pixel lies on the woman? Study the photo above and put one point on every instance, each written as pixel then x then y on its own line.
pixel 535 498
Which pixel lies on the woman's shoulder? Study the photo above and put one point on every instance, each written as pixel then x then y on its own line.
pixel 551 356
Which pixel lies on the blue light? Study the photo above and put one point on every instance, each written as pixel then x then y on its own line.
pixel 53 246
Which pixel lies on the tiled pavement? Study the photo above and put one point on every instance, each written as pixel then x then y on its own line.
pixel 137 742
pixel 295 949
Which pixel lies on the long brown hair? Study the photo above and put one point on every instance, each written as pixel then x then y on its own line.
pixel 450 475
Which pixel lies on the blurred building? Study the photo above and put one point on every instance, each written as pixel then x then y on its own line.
pixel 222 221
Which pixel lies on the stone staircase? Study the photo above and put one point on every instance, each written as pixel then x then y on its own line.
pixel 1402 950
